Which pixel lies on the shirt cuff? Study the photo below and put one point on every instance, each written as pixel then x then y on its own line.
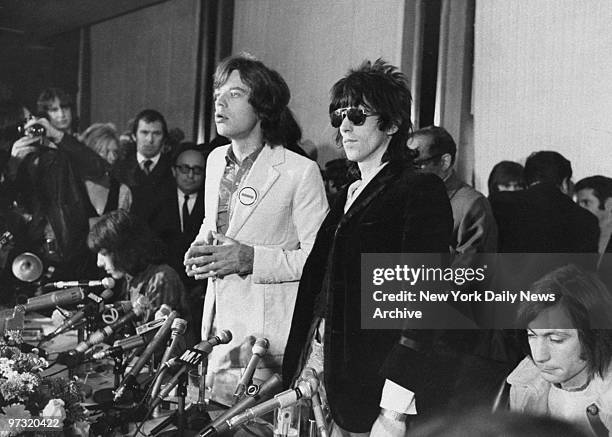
pixel 397 398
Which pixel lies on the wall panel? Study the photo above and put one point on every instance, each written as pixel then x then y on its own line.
pixel 312 44
pixel 146 59
pixel 542 82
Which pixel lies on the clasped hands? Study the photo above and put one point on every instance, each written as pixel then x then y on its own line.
pixel 217 256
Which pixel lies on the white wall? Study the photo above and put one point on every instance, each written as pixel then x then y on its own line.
pixel 146 59
pixel 312 44
pixel 543 81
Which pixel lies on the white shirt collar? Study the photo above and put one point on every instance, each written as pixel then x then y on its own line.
pixel 141 158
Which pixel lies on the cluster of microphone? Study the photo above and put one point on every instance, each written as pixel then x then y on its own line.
pixel 250 400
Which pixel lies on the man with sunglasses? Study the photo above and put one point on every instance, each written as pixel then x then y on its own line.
pixel 264 205
pixel 388 209
pixel 474 226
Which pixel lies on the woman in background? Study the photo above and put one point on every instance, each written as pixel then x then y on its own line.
pixel 506 176
pixel 105 194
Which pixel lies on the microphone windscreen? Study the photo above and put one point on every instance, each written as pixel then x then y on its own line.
pixel 225 336
pixel 179 325
pixel 106 294
pixel 108 282
pixel 261 346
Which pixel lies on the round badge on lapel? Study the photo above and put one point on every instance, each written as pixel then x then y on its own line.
pixel 247 196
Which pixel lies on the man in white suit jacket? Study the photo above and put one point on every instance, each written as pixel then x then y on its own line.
pixel 264 205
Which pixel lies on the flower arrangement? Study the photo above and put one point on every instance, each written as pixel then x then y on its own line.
pixel 24 393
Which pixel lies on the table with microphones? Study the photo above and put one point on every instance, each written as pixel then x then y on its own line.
pixel 133 402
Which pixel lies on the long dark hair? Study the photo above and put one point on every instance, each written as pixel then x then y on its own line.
pixel 127 239
pixel 269 95
pixel 383 89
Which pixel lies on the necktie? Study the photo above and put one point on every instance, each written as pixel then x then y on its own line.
pixel 147 166
pixel 185 212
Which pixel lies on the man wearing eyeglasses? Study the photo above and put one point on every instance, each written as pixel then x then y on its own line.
pixel 178 218
pixel 474 226
pixel 264 205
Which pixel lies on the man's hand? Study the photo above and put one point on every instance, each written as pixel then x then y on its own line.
pixel 205 260
pixel 23 147
pixel 388 427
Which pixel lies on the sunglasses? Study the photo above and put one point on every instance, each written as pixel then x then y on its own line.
pixel 185 169
pixel 357 116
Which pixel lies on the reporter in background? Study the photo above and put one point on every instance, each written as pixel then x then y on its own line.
pixel 58 107
pixel 107 193
pixel 126 249
pixel 49 172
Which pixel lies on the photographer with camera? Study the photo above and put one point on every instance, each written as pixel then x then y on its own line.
pixel 57 106
pixel 49 167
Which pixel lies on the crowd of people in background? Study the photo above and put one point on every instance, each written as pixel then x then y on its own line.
pixel 171 220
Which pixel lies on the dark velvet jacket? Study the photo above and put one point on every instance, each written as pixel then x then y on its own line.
pixel 51 187
pixel 398 211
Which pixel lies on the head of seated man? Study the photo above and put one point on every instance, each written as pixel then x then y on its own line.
pixel 570 348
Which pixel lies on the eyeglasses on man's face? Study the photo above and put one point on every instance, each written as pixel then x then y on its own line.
pixel 357 116
pixel 185 169
pixel 420 164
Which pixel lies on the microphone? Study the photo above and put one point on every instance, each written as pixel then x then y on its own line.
pixel 190 358
pixel 57 298
pixel 106 283
pixel 318 414
pixel 100 335
pixel 120 346
pixel 95 305
pixel 163 311
pixel 259 350
pixel 306 386
pixel 254 394
pixel 179 326
pixel 159 339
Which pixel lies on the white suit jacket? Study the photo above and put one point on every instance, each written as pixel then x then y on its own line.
pixel 280 207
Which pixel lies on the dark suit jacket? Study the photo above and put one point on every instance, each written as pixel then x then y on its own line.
pixel 540 230
pixel 543 219
pixel 398 211
pixel 166 224
pixel 146 189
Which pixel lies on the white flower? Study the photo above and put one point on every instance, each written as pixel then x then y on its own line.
pixel 55 408
pixel 14 411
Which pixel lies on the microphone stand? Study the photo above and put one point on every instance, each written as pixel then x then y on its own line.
pixel 195 416
pixel 181 392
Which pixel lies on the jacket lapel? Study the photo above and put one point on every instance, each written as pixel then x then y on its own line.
pixel 214 173
pixel 256 185
pixel 370 192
